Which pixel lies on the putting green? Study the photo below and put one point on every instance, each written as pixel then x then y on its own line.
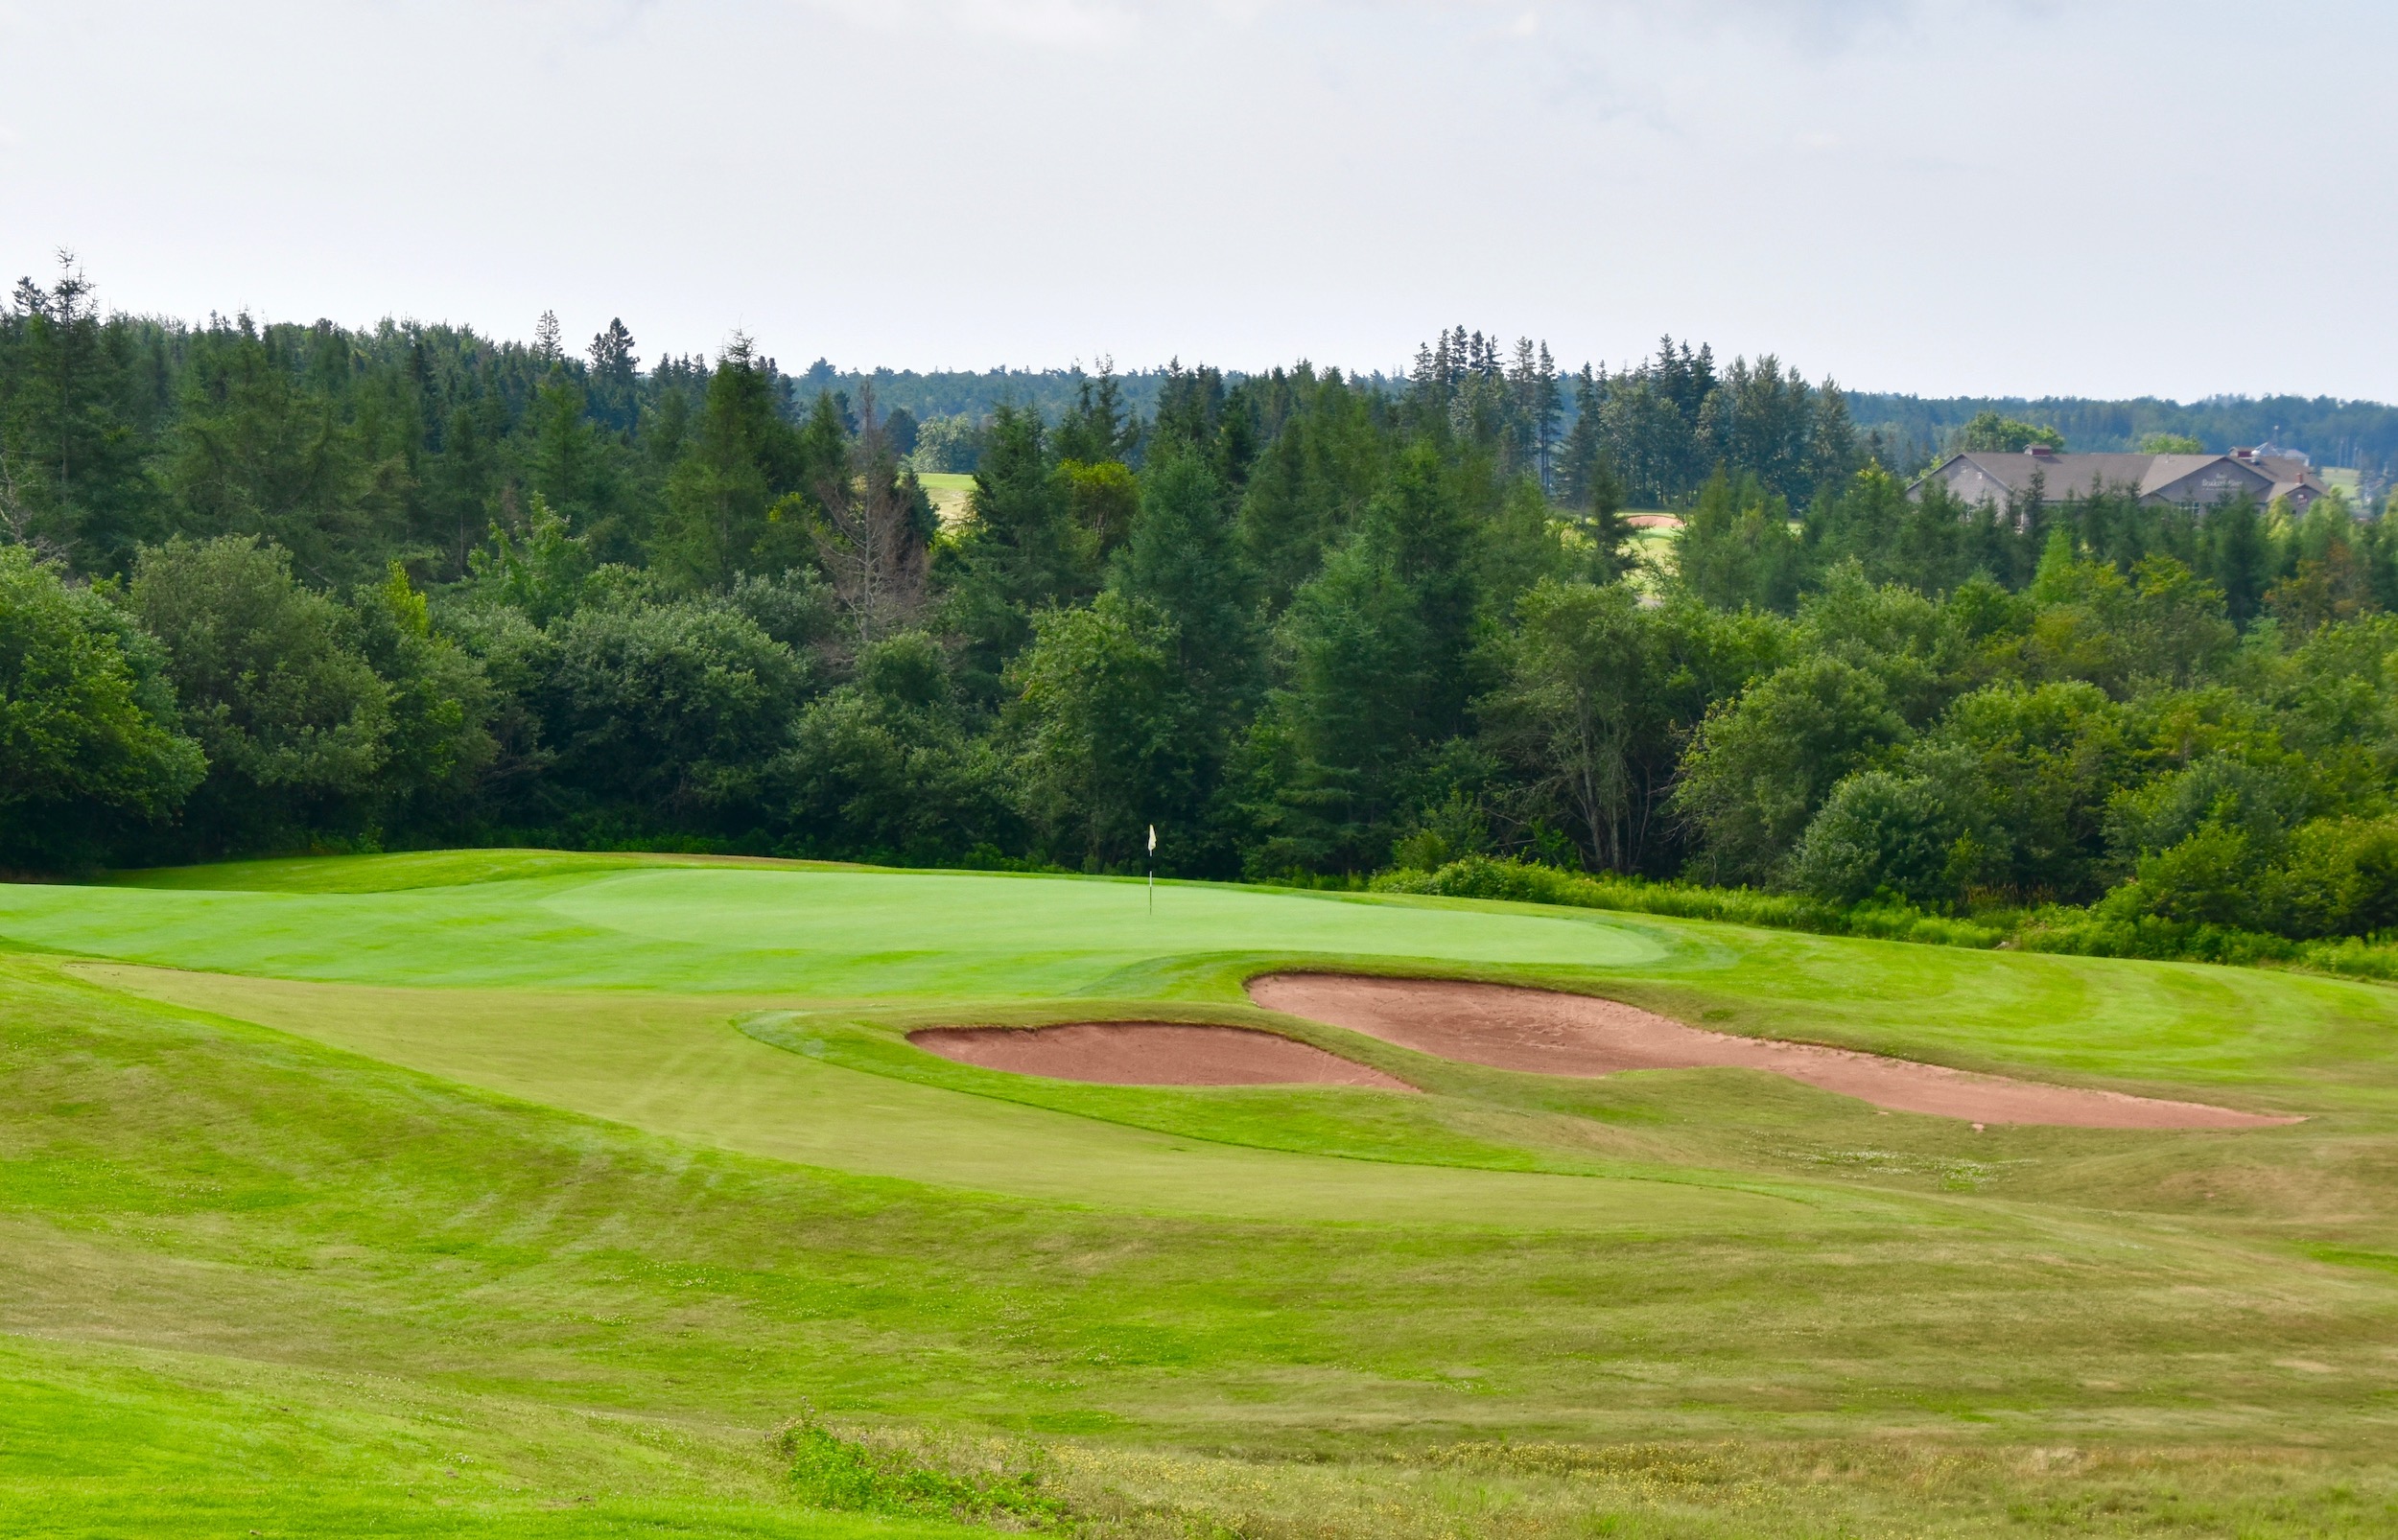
pixel 902 916
pixel 822 934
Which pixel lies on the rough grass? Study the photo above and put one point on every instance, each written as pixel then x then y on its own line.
pixel 346 1255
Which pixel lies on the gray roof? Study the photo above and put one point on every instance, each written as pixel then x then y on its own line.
pixel 2068 475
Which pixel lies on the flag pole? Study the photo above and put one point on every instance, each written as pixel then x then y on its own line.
pixel 1153 869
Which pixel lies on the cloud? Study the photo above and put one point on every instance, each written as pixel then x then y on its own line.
pixel 1074 24
pixel 1820 24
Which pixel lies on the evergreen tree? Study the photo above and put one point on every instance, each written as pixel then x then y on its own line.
pixel 1183 558
pixel 1737 548
pixel 2237 558
pixel 258 453
pixel 1016 555
pixel 615 390
pixel 69 460
pixel 739 457
pixel 1097 429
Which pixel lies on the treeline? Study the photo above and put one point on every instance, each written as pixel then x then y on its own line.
pixel 285 588
pixel 1645 437
pixel 2053 719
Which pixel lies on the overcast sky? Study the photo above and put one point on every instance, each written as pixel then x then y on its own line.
pixel 2103 196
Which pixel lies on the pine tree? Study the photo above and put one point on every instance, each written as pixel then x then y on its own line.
pixel 70 461
pixel 739 457
pixel 1546 408
pixel 1096 429
pixel 615 377
pixel 1017 555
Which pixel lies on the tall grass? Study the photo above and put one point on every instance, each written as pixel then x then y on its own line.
pixel 1482 876
pixel 2050 928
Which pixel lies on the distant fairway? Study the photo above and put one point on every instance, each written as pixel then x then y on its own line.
pixel 496 1192
pixel 949 490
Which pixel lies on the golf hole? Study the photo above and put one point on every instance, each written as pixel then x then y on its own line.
pixel 1546 1033
pixel 1150 1053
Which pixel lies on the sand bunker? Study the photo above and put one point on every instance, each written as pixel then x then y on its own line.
pixel 1151 1053
pixel 1551 1034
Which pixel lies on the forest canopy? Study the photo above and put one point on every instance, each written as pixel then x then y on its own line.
pixel 271 587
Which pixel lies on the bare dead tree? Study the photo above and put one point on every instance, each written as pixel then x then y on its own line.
pixel 867 535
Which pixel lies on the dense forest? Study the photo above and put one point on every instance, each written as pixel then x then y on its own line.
pixel 276 588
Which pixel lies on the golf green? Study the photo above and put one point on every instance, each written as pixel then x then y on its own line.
pixel 826 934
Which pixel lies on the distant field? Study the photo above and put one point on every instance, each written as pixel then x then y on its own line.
pixel 1654 535
pixel 530 1193
pixel 948 492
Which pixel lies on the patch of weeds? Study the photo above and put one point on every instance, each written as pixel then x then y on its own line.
pixel 855 1476
pixel 1954 1173
pixel 1660 1464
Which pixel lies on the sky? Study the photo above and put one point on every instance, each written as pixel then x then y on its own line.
pixel 1947 196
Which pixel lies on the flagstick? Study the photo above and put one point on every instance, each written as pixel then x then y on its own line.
pixel 1153 871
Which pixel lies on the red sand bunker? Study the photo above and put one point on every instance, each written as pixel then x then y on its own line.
pixel 1551 1034
pixel 1150 1053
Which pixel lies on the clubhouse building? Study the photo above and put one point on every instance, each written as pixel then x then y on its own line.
pixel 2179 481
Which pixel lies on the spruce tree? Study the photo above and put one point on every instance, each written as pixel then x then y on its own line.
pixel 615 379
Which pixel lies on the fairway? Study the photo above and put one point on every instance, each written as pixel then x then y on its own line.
pixel 951 493
pixel 530 1193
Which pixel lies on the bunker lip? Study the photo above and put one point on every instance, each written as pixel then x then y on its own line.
pixel 1547 1032
pixel 1151 1053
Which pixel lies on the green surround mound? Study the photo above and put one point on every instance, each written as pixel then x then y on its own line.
pixel 529 1192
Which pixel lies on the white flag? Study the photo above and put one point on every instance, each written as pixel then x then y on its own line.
pixel 1153 836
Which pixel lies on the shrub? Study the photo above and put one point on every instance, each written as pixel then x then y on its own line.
pixel 1881 833
pixel 89 742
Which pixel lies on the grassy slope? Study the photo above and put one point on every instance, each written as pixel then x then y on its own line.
pixel 420 1202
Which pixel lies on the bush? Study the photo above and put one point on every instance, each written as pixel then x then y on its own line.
pixel 2342 877
pixel 295 723
pixel 1882 832
pixel 2117 928
pixel 668 713
pixel 89 750
pixel 2123 925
